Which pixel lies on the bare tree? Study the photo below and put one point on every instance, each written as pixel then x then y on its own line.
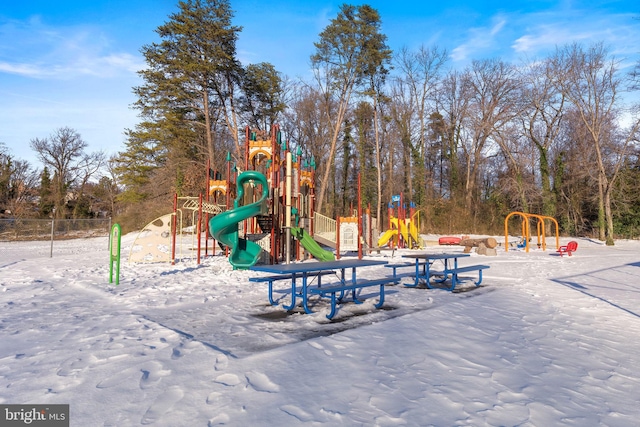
pixel 493 104
pixel 350 53
pixel 413 95
pixel 518 157
pixel 64 153
pixel 541 121
pixel 590 80
pixel 17 183
pixel 451 124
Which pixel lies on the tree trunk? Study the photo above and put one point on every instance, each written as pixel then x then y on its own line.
pixel 608 216
pixel 378 169
pixel 601 216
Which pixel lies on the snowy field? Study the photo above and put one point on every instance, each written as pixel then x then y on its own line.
pixel 547 341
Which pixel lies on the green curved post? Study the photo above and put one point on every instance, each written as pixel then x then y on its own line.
pixel 114 252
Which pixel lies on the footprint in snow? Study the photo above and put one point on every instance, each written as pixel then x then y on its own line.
pixel 118 378
pixel 152 373
pixel 316 345
pixel 260 382
pixel 163 404
pixel 296 412
pixel 228 379
pixel 220 419
pixel 221 362
pixel 213 397
pixel 319 346
pixel 73 365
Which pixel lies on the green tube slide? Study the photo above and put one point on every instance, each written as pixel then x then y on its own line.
pixel 224 226
pixel 311 245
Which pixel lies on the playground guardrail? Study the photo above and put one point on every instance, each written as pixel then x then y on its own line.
pixel 325 226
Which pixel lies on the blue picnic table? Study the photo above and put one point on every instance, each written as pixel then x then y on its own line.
pixel 307 272
pixel 423 272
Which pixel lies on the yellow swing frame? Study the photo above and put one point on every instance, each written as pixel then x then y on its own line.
pixel 526 217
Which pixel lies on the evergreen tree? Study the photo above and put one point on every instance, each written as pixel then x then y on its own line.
pixel 46 202
pixel 192 76
pixel 262 101
pixel 189 104
pixel 5 178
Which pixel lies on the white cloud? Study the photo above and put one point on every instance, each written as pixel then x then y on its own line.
pixel 28 70
pixel 542 33
pixel 41 51
pixel 547 36
pixel 479 38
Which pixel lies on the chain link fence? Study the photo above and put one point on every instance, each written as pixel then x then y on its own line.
pixel 48 229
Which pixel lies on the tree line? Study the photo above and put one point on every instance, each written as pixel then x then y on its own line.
pixel 556 136
pixel 72 183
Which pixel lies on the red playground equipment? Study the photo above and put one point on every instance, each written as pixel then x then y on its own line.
pixel 568 249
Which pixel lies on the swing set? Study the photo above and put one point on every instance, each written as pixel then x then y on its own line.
pixel 526 233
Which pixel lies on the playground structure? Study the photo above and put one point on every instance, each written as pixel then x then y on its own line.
pixel 262 215
pixel 403 230
pixel 526 233
pixel 275 204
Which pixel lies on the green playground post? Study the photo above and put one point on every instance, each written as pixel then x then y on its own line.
pixel 114 252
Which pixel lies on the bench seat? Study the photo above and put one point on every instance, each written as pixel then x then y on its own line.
pixel 276 277
pixel 342 287
pixel 396 266
pixel 454 272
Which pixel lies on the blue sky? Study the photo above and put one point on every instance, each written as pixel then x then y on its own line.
pixel 73 63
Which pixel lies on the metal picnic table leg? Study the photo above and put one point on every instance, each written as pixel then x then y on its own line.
pixel 304 294
pixel 444 275
pixel 271 300
pixel 416 282
pixel 454 276
pixel 479 278
pixel 428 275
pixel 293 294
pixel 353 282
pixel 335 300
pixel 333 306
pixel 342 280
pixel 379 304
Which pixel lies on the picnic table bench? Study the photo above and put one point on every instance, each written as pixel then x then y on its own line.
pixel 288 276
pixel 454 272
pixel 407 264
pixel 343 287
pixel 425 260
pixel 315 269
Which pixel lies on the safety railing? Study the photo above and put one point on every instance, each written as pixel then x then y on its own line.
pixel 325 226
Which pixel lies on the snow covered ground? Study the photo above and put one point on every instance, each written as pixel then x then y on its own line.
pixel 547 341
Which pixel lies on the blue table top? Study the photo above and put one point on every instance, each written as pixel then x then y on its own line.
pixel 435 256
pixel 305 267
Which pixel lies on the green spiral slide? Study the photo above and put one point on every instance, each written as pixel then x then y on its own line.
pixel 224 226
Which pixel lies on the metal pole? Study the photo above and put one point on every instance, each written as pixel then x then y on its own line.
pixel 53 220
pixel 173 229
pixel 287 211
pixel 360 234
pixel 199 231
